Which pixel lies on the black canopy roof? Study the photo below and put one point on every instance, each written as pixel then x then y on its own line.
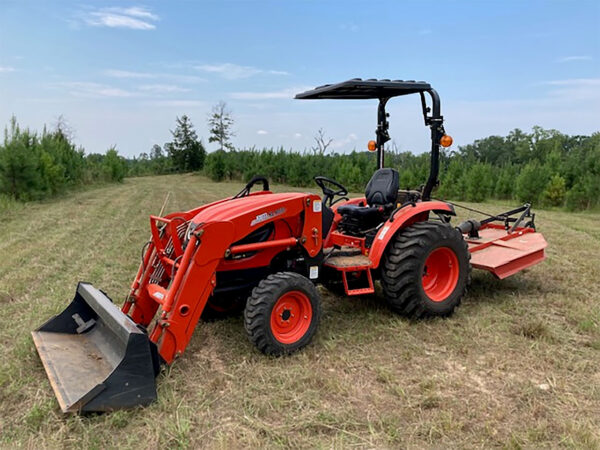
pixel 364 89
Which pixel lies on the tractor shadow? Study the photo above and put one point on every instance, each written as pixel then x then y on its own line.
pixel 224 341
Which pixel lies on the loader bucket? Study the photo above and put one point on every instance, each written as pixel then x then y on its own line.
pixel 96 357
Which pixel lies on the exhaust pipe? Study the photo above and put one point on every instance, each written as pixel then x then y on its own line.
pixel 96 358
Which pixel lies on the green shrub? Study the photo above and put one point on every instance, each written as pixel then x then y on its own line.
pixel 215 165
pixel 531 182
pixel 113 166
pixel 554 194
pixel 479 182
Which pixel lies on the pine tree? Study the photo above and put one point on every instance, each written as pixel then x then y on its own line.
pixel 113 165
pixel 531 182
pixel 555 192
pixel 215 165
pixel 221 123
pixel 19 174
pixel 186 152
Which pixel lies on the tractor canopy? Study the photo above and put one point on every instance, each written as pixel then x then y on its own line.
pixel 357 89
pixel 383 90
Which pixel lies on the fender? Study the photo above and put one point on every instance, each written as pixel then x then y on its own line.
pixel 406 216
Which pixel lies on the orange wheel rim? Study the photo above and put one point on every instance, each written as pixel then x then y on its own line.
pixel 440 274
pixel 291 317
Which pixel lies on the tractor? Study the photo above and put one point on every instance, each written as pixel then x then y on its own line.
pixel 264 253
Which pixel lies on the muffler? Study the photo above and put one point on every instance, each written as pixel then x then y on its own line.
pixel 96 357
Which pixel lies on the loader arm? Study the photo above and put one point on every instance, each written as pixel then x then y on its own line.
pixel 181 301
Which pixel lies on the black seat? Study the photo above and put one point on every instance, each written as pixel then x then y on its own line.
pixel 381 194
pixel 381 191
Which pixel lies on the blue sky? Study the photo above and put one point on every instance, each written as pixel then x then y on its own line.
pixel 120 72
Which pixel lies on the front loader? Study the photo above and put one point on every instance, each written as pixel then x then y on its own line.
pixel 263 253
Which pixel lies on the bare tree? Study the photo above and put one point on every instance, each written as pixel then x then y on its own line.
pixel 220 122
pixel 393 148
pixel 322 142
pixel 63 128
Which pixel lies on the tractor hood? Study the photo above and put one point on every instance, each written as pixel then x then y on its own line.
pixel 251 212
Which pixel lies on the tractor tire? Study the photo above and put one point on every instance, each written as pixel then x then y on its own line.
pixel 282 314
pixel 426 270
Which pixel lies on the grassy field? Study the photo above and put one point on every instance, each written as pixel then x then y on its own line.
pixel 516 366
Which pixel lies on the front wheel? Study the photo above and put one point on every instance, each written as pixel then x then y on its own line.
pixel 282 313
pixel 426 270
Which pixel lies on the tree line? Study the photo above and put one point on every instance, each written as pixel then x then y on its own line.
pixel 36 165
pixel 544 167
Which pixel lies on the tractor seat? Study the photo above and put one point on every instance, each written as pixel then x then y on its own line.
pixel 381 194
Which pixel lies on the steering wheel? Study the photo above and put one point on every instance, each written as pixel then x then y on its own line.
pixel 329 193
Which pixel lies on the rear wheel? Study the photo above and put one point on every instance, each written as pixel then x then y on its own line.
pixel 282 314
pixel 426 270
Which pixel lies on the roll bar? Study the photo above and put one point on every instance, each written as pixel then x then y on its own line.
pixel 435 122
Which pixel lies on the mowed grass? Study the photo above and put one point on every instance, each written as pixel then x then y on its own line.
pixel 516 366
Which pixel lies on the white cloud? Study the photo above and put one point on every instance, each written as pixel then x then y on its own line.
pixel 351 26
pixel 135 11
pixel 575 89
pixel 262 132
pixel 127 74
pixel 162 88
pixel 179 103
pixel 281 94
pixel 581 82
pixel 234 71
pixel 5 69
pixel 339 143
pixel 94 90
pixel 574 58
pixel 134 18
pixel 297 135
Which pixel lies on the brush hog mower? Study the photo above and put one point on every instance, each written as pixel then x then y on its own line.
pixel 263 253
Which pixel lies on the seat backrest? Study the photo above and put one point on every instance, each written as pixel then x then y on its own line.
pixel 382 188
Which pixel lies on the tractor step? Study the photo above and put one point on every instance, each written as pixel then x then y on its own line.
pixel 354 263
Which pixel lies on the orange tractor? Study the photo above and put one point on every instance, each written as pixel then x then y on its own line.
pixel 264 252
